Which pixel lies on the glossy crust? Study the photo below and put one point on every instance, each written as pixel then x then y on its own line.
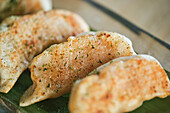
pixel 121 86
pixel 28 36
pixel 54 71
pixel 20 7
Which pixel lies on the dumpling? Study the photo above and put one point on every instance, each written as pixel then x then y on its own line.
pixel 20 7
pixel 121 86
pixel 7 22
pixel 31 34
pixel 54 71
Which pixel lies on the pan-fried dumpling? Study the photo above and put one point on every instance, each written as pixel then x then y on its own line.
pixel 54 71
pixel 28 36
pixel 20 7
pixel 121 86
pixel 7 22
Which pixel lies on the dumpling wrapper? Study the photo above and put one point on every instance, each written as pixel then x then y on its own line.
pixel 120 86
pixel 20 7
pixel 54 71
pixel 29 35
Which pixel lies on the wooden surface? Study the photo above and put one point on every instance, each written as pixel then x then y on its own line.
pixel 151 15
pixel 99 20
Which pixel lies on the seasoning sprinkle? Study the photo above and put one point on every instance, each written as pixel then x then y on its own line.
pixel 43 65
pixel 26 44
pixel 69 67
pixel 82 56
pixel 76 57
pixel 86 94
pixel 92 46
pixel 100 61
pixel 65 63
pixel 79 69
pixel 48 85
pixel 45 69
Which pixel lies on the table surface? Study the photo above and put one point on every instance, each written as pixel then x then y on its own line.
pixel 145 22
pixel 151 15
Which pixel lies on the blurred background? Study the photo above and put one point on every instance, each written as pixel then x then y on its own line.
pixel 151 15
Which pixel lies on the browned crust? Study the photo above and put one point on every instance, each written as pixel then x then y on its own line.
pixel 31 34
pixel 120 87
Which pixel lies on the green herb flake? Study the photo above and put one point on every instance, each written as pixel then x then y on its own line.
pixel 48 85
pixel 61 57
pixel 70 67
pixel 70 51
pixel 100 61
pixel 79 69
pixel 76 57
pixel 11 79
pixel 118 53
pixel 26 44
pixel 82 56
pixel 92 46
pixel 97 72
pixel 44 69
pixel 111 61
pixel 87 55
pixel 35 20
pixel 39 69
pixel 49 64
pixel 43 65
pixel 65 63
pixel 86 94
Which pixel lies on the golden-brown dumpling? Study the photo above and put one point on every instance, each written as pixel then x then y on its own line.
pixel 54 71
pixel 121 86
pixel 31 34
pixel 20 7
